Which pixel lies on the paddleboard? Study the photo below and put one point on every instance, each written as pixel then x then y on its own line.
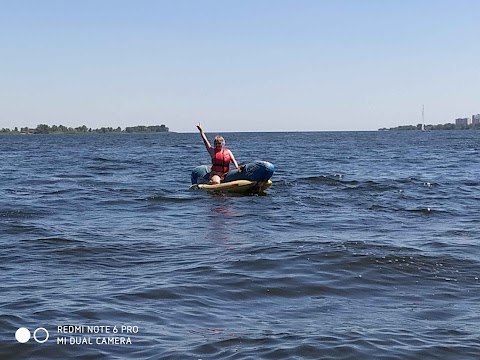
pixel 237 186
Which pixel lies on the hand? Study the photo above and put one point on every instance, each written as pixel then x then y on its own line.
pixel 199 127
pixel 241 168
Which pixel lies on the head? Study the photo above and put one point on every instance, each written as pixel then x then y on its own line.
pixel 218 142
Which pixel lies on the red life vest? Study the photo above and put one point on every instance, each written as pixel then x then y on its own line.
pixel 221 161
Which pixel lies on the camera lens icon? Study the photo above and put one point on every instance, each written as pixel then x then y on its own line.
pixel 40 335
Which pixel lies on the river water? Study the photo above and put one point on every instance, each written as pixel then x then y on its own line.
pixel 367 246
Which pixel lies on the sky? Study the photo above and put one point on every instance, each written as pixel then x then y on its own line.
pixel 251 65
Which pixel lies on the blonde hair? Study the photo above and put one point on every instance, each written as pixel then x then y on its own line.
pixel 220 139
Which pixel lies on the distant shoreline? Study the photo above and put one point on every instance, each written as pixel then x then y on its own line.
pixel 418 127
pixel 61 129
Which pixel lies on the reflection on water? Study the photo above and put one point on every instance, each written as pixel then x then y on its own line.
pixel 222 219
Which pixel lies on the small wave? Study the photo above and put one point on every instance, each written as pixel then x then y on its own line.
pixel 20 214
pixel 80 252
pixel 421 182
pixel 121 190
pixel 168 199
pixel 371 186
pixel 283 183
pixel 25 229
pixel 185 146
pixel 114 161
pixel 114 202
pixel 431 211
pixel 427 211
pixel 377 207
pixel 456 233
pixel 56 240
pixel 332 180
pixel 59 192
pixel 73 176
pixel 100 159
pixel 103 169
pixel 354 185
pixel 470 183
pixel 152 294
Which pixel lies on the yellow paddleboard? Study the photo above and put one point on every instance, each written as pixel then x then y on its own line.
pixel 238 186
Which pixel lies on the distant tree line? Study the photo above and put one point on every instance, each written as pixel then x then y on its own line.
pixel 146 129
pixel 448 126
pixel 61 129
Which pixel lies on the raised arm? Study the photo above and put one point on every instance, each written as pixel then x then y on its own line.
pixel 205 140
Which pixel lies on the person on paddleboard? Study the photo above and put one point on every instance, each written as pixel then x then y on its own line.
pixel 221 157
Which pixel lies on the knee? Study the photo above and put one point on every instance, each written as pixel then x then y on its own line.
pixel 215 179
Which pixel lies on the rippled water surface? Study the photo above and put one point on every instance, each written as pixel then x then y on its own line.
pixel 367 246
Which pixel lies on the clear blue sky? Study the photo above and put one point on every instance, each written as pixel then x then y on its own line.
pixel 247 65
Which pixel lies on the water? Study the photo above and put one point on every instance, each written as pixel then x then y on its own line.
pixel 365 247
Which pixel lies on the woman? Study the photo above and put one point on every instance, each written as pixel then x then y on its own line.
pixel 220 155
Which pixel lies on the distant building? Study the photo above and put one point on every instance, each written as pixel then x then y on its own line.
pixel 476 119
pixel 462 121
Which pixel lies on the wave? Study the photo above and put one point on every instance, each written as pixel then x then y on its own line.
pixel 163 293
pixel 371 186
pixel 10 214
pixel 334 180
pixel 169 199
pixel 56 241
pixel 380 185
pixel 425 210
pixel 124 161
pixel 73 176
